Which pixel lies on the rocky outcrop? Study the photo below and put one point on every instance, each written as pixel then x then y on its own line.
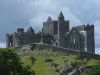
pixel 70 70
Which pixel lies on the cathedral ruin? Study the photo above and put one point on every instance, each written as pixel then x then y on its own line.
pixel 57 33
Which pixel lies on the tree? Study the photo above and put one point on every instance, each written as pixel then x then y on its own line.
pixel 10 63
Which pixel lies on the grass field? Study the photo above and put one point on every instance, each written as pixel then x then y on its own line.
pixel 48 62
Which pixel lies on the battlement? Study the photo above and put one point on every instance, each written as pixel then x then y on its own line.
pixel 80 28
pixel 20 37
pixel 89 27
pixel 20 30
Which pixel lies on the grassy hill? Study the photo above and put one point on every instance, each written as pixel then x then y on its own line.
pixel 48 62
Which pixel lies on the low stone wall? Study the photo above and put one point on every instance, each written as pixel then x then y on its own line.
pixel 90 56
pixel 68 51
pixel 54 48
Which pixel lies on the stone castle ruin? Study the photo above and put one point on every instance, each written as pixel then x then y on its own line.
pixel 21 38
pixel 56 33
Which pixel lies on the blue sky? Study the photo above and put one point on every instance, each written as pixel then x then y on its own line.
pixel 23 13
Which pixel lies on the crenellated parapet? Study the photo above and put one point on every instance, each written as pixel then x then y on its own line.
pixel 21 38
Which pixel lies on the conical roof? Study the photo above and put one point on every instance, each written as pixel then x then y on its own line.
pixel 49 19
pixel 61 15
pixel 30 29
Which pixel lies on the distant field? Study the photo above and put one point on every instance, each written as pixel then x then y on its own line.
pixel 48 62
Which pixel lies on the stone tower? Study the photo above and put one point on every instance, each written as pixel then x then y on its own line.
pixel 9 40
pixel 63 27
pixel 56 30
pixel 48 26
pixel 90 38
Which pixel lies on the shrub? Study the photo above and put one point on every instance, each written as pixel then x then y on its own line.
pixel 27 71
pixel 57 70
pixel 75 64
pixel 95 70
pixel 32 59
pixel 10 64
pixel 63 57
pixel 54 64
pixel 33 46
pixel 48 60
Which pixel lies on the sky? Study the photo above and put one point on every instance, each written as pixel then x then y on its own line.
pixel 25 13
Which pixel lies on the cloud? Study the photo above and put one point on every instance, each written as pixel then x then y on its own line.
pixel 97 33
pixel 51 8
pixel 23 13
pixel 2 45
pixel 86 10
pixel 13 14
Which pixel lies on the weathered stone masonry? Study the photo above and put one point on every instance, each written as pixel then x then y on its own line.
pixel 78 53
pixel 56 33
pixel 20 38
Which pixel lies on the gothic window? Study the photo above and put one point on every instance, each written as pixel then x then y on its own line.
pixel 74 40
pixel 56 43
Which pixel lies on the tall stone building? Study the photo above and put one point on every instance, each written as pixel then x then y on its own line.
pixel 58 33
pixel 55 30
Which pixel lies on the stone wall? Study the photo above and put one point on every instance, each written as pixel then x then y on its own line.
pixel 90 55
pixel 60 49
pixel 69 51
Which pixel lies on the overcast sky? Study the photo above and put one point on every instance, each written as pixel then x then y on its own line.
pixel 23 13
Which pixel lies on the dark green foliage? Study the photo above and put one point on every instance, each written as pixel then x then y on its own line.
pixel 63 57
pixel 27 71
pixel 54 64
pixel 32 59
pixel 75 65
pixel 57 70
pixel 48 60
pixel 95 70
pixel 10 63
pixel 33 46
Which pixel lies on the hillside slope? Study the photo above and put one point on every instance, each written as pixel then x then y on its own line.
pixel 49 62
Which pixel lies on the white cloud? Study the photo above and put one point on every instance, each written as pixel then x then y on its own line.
pixel 97 33
pixel 2 45
pixel 97 51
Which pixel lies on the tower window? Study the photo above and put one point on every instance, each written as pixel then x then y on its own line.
pixel 74 41
pixel 56 43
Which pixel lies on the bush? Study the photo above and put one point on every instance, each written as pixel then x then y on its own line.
pixel 10 63
pixel 95 70
pixel 54 64
pixel 75 64
pixel 32 59
pixel 33 46
pixel 63 57
pixel 27 71
pixel 48 60
pixel 57 70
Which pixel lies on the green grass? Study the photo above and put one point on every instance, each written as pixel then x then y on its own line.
pixel 92 62
pixel 42 68
pixel 45 68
